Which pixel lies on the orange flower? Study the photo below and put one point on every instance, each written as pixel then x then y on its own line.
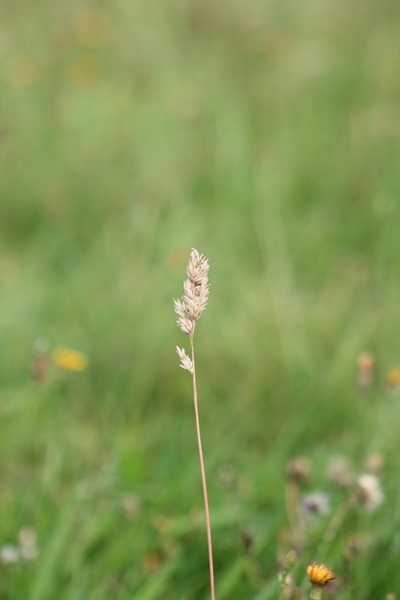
pixel 319 575
pixel 366 362
pixel 69 360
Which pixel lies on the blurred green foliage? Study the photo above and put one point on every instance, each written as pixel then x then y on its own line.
pixel 266 135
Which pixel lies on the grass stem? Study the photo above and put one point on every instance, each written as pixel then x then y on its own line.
pixel 203 474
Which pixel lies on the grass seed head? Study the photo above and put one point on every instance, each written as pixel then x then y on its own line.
pixel 194 300
pixel 186 362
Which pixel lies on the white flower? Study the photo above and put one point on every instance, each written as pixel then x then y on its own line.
pixel 339 472
pixel 369 492
pixel 27 542
pixel 9 555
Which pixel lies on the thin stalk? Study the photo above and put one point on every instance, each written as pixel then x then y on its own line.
pixel 203 474
pixel 292 494
pixel 334 526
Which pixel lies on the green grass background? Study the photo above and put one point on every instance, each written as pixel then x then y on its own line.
pixel 266 135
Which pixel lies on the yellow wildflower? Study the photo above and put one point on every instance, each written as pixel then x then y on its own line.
pixel 85 71
pixel 23 71
pixel 93 28
pixel 69 360
pixel 319 575
pixel 393 377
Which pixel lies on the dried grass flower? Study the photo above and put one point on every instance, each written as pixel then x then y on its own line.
pixel 194 300
pixel 186 362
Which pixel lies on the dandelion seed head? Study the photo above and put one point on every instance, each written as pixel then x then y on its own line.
pixel 9 555
pixel 369 492
pixel 317 503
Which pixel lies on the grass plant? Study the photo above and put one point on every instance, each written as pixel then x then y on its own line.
pixel 189 311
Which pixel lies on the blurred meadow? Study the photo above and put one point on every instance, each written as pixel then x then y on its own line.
pixel 267 136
